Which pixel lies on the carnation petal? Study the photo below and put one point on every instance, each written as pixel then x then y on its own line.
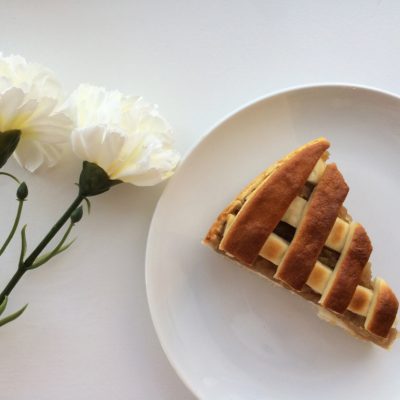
pixel 97 144
pixel 33 155
pixel 50 129
pixel 10 103
pixel 151 170
pixel 148 178
pixel 28 155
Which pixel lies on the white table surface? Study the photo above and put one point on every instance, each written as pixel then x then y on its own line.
pixel 87 333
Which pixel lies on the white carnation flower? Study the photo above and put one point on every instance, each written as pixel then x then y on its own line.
pixel 124 135
pixel 30 99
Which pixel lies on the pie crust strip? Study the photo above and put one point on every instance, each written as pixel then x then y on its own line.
pixel 261 213
pixel 382 310
pixel 318 219
pixel 348 271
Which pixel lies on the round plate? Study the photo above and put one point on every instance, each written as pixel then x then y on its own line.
pixel 229 333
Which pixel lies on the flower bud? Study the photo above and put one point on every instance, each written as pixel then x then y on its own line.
pixel 94 180
pixel 8 143
pixel 22 191
pixel 76 215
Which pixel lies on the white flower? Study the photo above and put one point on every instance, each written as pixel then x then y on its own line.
pixel 30 99
pixel 124 135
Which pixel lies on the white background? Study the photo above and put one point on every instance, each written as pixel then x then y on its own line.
pixel 87 333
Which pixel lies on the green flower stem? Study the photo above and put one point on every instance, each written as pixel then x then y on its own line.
pixel 40 247
pixel 10 176
pixel 14 228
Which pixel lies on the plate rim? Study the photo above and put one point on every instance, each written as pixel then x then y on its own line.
pixel 269 95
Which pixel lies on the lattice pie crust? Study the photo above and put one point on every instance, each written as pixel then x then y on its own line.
pixel 289 225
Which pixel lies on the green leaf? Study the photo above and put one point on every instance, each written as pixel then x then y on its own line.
pixel 8 143
pixel 57 250
pixel 88 204
pixel 12 316
pixel 66 246
pixel 48 256
pixel 3 305
pixel 14 227
pixel 93 180
pixel 23 246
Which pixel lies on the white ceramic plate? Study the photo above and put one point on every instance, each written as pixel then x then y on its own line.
pixel 229 333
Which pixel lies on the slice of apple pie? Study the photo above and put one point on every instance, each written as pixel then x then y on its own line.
pixel 289 225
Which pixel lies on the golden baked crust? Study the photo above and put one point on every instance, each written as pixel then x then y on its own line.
pixel 249 231
pixel 214 235
pixel 347 273
pixel 318 220
pixel 360 301
pixel 261 213
pixel 383 310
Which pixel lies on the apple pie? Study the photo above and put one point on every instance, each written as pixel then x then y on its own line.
pixel 289 225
